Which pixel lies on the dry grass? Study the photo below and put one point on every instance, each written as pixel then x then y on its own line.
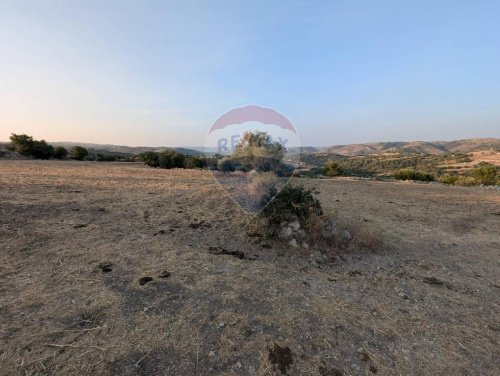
pixel 61 314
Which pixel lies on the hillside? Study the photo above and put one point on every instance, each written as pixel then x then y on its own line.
pixel 423 147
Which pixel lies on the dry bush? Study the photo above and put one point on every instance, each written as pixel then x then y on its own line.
pixel 362 236
pixel 262 184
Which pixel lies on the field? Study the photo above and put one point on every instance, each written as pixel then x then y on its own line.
pixel 78 238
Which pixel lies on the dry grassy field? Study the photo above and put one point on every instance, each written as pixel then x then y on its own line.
pixel 78 238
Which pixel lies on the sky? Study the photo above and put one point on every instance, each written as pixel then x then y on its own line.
pixel 159 73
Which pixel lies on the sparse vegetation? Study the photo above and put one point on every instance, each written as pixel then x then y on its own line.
pixel 409 174
pixel 486 174
pixel 171 159
pixel 333 168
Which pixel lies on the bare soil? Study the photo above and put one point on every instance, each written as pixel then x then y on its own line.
pixel 120 269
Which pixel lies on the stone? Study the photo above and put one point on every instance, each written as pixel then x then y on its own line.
pixel 293 243
pixel 301 233
pixel 295 225
pixel 305 245
pixel 345 235
pixel 286 232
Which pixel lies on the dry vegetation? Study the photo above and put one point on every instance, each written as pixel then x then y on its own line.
pixel 78 238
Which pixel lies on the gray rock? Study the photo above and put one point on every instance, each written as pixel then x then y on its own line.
pixel 286 232
pixel 345 235
pixel 293 243
pixel 301 234
pixel 295 225
pixel 327 234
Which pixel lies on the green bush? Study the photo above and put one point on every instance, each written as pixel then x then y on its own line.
pixel 333 168
pixel 448 178
pixel 60 152
pixel 485 173
pixel 149 158
pixel 41 150
pixel 409 174
pixel 78 152
pixel 291 201
pixel 194 162
pixel 226 165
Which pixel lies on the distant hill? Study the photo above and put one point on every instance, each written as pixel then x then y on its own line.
pixel 351 150
pixel 421 147
pixel 129 150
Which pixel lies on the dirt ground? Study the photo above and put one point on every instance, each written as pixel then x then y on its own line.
pixel 77 240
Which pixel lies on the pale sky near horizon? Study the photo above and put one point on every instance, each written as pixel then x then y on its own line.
pixel 160 72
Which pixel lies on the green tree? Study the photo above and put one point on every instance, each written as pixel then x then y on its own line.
pixel 150 158
pixel 26 145
pixel 21 143
pixel 258 150
pixel 42 150
pixel 60 152
pixel 78 152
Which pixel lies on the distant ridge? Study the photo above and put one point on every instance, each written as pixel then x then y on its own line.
pixel 421 147
pixel 120 149
pixel 350 150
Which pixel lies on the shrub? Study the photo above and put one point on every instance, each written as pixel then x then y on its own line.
pixel 485 174
pixel 226 165
pixel 78 152
pixel 448 179
pixel 60 152
pixel 466 181
pixel 409 174
pixel 333 168
pixel 291 201
pixel 194 162
pixel 150 159
pixel 41 150
pixel 105 158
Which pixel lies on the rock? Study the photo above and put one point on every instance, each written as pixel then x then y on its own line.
pixel 301 233
pixel 286 232
pixel 318 257
pixel 345 235
pixel 293 243
pixel 327 234
pixel 222 324
pixel 330 226
pixel 295 225
pixel 305 245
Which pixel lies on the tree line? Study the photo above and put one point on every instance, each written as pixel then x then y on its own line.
pixel 40 149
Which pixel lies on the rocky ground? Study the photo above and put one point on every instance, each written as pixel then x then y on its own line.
pixel 119 269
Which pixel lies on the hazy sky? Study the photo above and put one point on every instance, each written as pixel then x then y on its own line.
pixel 159 72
